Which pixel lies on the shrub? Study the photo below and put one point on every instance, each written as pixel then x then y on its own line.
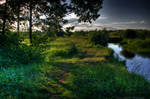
pixel 22 54
pixel 9 40
pixel 99 37
pixel 131 34
pixel 60 34
pixel 39 38
pixel 13 52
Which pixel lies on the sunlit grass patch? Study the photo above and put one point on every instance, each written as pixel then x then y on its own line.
pixel 26 41
pixel 68 60
pixel 82 42
pixel 93 59
pixel 98 52
pixel 63 51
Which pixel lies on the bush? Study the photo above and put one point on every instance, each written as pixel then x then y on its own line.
pixel 13 52
pixel 60 34
pixel 9 40
pixel 21 54
pixel 131 34
pixel 39 38
pixel 99 37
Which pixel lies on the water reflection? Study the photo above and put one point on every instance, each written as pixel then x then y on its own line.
pixel 127 54
pixel 134 62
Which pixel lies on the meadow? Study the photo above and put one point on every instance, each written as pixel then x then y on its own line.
pixel 69 67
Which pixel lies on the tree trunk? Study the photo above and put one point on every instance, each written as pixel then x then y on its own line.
pixel 30 22
pixel 4 24
pixel 4 19
pixel 18 18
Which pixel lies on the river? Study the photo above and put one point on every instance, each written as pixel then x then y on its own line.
pixel 136 64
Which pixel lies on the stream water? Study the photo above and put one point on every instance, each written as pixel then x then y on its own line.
pixel 136 64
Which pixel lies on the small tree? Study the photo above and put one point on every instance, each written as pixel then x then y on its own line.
pixel 131 34
pixel 69 29
pixel 99 37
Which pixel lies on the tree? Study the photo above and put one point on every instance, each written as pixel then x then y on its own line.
pixel 69 29
pixel 53 10
pixel 7 15
pixel 17 8
pixel 4 17
pixel 86 10
pixel 30 30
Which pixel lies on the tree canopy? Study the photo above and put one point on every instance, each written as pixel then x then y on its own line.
pixel 53 12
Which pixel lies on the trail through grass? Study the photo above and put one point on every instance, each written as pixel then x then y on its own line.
pixel 73 68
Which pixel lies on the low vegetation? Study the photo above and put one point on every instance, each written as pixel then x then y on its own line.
pixel 66 67
pixel 133 41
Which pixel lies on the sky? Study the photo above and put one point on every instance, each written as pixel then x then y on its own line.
pixel 117 14
pixel 2 1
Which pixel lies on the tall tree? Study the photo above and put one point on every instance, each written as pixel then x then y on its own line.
pixel 32 4
pixel 4 17
pixel 54 11
pixel 86 10
pixel 18 16
pixel 7 14
pixel 16 9
pixel 30 21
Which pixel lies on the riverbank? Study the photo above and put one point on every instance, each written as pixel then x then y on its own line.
pixel 72 68
pixel 134 62
pixel 132 41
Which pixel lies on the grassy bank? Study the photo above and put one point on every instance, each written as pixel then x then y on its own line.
pixel 71 68
pixel 133 41
pixel 139 46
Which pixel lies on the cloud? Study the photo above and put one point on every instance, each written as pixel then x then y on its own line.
pixel 70 16
pixel 73 21
pixel 103 22
pixel 102 18
pixel 142 22
pixel 124 23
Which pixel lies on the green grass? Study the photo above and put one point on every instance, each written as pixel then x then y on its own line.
pixel 133 41
pixel 73 68
pixel 138 46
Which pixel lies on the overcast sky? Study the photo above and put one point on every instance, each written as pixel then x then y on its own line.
pixel 118 14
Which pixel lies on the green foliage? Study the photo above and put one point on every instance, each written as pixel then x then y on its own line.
pixel 64 74
pixel 60 33
pixel 133 41
pixel 138 46
pixel 99 37
pixel 131 34
pixel 9 40
pixel 68 30
pixel 39 38
pixel 13 52
pixel 21 54
pixel 68 51
pixel 103 81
